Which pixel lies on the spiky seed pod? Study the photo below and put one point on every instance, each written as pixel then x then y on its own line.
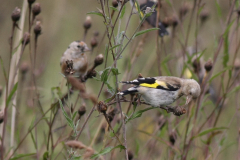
pixel 102 107
pixel 115 3
pixel 173 137
pixel 208 65
pixel 24 68
pixel 166 22
pixel 31 1
pixel 94 42
pixel 82 110
pixel 26 38
pixel 196 65
pixel 174 21
pixel 16 14
pixel 237 64
pixel 96 34
pixel 88 23
pixel 204 15
pixel 110 117
pixel 183 10
pixel 98 60
pixel 38 28
pixel 36 9
pixel 130 154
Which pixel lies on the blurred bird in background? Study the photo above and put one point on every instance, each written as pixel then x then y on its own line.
pixel 152 20
pixel 74 60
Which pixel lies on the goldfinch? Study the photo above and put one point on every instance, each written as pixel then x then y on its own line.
pixel 75 58
pixel 164 90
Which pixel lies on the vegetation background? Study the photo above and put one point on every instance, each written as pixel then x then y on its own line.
pixel 211 133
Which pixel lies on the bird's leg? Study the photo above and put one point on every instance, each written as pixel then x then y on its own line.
pixel 176 110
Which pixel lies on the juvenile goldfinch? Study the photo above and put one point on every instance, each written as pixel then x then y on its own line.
pixel 162 91
pixel 75 59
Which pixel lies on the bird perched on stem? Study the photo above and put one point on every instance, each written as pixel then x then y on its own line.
pixel 74 60
pixel 164 90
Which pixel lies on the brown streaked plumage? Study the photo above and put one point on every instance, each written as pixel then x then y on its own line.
pixel 75 59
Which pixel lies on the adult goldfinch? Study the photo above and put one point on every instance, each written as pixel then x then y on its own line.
pixel 162 91
pixel 75 54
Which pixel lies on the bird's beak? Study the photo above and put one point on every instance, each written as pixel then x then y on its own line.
pixel 189 98
pixel 87 49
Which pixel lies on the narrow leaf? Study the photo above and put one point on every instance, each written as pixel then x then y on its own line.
pixel 123 12
pixel 12 93
pixel 145 31
pixel 115 71
pixel 139 114
pixel 22 155
pixel 114 47
pixel 113 8
pixel 96 13
pixel 217 74
pixel 208 131
pixel 107 150
pixel 69 121
pixel 3 69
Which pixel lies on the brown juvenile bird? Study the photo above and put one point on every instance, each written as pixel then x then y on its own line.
pixel 74 60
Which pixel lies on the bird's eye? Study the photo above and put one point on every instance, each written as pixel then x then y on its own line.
pixel 78 46
pixel 190 93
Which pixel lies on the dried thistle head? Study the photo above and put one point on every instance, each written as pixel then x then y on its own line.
pixel 237 64
pixel 98 60
pixel 94 42
pixel 196 65
pixel 173 137
pixel 204 15
pixel 166 22
pixel 115 3
pixel 88 23
pixel 96 34
pixel 130 154
pixel 102 107
pixel 75 144
pixel 16 14
pixel 183 10
pixel 208 65
pixel 174 21
pixel 37 28
pixel 31 1
pixel 76 84
pixel 24 68
pixel 82 110
pixel 111 114
pixel 36 9
pixel 26 38
pixel 91 73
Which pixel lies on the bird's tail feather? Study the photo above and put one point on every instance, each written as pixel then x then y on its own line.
pixel 128 91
